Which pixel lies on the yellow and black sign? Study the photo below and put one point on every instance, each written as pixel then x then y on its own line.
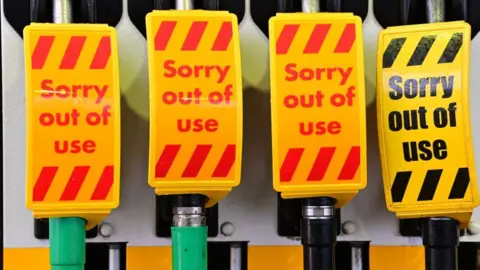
pixel 424 120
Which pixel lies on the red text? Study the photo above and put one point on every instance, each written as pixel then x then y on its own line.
pixel 75 146
pixel 49 90
pixel 197 125
pixel 320 128
pixel 60 119
pixel 317 74
pixel 195 71
pixel 196 96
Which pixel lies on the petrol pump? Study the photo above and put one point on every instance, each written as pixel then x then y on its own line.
pixel 318 119
pixel 195 118
pixel 72 127
pixel 423 111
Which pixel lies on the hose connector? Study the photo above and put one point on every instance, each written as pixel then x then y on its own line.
pixel 189 217
pixel 189 210
pixel 441 237
pixel 319 233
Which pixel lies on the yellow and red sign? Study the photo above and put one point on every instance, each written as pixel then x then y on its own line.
pixel 73 120
pixel 195 102
pixel 424 120
pixel 318 105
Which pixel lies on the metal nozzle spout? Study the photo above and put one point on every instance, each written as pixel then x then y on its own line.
pixel 184 4
pixel 435 11
pixel 62 11
pixel 310 6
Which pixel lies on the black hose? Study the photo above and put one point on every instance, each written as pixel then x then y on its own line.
pixel 334 5
pixel 89 10
pixel 211 4
pixel 458 10
pixel 285 6
pixel 162 4
pixel 189 200
pixel 319 234
pixel 40 11
pixel 404 11
pixel 441 240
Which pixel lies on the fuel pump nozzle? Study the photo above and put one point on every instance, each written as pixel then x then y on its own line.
pixel 440 234
pixel 67 234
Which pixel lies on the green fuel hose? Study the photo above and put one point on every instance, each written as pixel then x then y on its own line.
pixel 67 243
pixel 189 248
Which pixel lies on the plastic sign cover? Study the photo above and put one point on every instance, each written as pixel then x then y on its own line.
pixel 318 103
pixel 195 101
pixel 73 119
pixel 424 121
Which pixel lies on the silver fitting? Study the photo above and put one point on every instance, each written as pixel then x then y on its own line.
pixel 310 6
pixel 318 212
pixel 62 11
pixel 189 217
pixel 435 11
pixel 184 4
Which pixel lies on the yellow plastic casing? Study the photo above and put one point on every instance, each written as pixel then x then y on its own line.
pixel 195 102
pixel 424 121
pixel 318 105
pixel 73 121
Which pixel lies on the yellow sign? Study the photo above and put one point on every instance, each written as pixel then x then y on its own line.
pixel 196 102
pixel 73 120
pixel 424 121
pixel 318 105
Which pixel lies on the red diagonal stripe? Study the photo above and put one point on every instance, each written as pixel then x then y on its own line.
pixel 317 38
pixel 226 162
pixel 40 53
pixel 320 166
pixel 290 164
pixel 223 38
pixel 104 184
pixel 72 53
pixel 102 55
pixel 347 39
pixel 286 37
pixel 75 183
pixel 194 36
pixel 166 160
pixel 43 183
pixel 164 34
pixel 196 161
pixel 351 164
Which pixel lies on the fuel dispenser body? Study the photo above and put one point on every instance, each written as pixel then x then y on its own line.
pixel 249 212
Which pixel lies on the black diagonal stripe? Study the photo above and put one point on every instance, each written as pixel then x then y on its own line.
pixel 460 184
pixel 392 51
pixel 451 51
pixel 430 185
pixel 399 186
pixel 421 52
